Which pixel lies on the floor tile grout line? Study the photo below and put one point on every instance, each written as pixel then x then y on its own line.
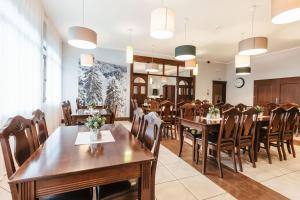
pixel 1 187
pixel 216 196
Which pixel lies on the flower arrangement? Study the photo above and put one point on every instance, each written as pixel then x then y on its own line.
pixel 259 109
pixel 213 111
pixel 92 105
pixel 95 122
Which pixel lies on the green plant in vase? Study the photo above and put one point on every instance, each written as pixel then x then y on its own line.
pixel 94 123
pixel 213 112
pixel 260 110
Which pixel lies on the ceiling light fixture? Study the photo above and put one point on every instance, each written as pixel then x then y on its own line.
pixel 82 37
pixel 285 11
pixel 190 64
pixel 243 71
pixel 162 24
pixel 129 49
pixel 152 67
pixel 185 52
pixel 195 71
pixel 242 61
pixel 254 45
pixel 86 60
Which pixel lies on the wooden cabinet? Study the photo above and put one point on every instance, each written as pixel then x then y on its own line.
pixel 169 93
pixel 280 91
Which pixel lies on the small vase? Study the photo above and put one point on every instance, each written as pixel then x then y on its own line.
pixel 95 134
pixel 260 114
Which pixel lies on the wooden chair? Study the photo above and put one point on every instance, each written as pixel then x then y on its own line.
pixel 151 130
pixel 113 109
pixel 205 101
pixel 225 140
pixel 205 109
pixel 290 128
pixel 271 135
pixel 79 104
pixel 241 107
pixel 289 105
pixel 225 107
pixel 134 104
pixel 137 123
pixel 188 111
pixel 167 115
pixel 269 107
pixel 67 113
pixel 39 122
pixel 246 135
pixel 153 106
pixel 198 102
pixel 21 130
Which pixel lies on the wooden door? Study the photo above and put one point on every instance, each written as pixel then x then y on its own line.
pixel 139 88
pixel 186 89
pixel 219 92
pixel 289 90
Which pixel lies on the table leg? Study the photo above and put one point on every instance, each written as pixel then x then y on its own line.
pixel 204 149
pixel 256 141
pixel 26 191
pixel 146 183
pixel 181 138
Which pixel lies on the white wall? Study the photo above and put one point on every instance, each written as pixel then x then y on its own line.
pixel 71 57
pixel 279 64
pixel 206 74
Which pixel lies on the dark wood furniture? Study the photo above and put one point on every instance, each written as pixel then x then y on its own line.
pixel 241 107
pixel 39 122
pixel 151 131
pixel 80 105
pixel 290 128
pixel 280 91
pixel 153 106
pixel 169 93
pixel 185 89
pixel 188 111
pixel 270 136
pixel 67 113
pixel 137 123
pixel 167 114
pixel 82 114
pixel 207 127
pixel 225 107
pixel 22 131
pixel 77 167
pixel 219 92
pixel 246 135
pixel 269 107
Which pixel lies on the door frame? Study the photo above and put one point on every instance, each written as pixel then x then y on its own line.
pixel 224 84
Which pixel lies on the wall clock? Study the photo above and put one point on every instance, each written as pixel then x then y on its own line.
pixel 239 82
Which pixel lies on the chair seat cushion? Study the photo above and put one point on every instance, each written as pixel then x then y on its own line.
pixel 85 194
pixel 114 190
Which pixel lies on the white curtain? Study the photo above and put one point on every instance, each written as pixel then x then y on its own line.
pixel 21 63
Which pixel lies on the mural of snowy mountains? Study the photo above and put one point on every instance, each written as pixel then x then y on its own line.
pixel 104 83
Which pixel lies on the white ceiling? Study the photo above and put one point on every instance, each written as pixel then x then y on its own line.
pixel 215 26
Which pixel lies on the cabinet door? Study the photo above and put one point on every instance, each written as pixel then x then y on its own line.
pixel 266 91
pixel 289 90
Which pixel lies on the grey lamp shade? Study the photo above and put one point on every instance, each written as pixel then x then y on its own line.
pixel 243 71
pixel 185 52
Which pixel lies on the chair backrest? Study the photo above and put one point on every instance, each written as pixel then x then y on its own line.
pixel 154 105
pixel 205 101
pixel 113 109
pixel 39 122
pixel 188 111
pixel 248 125
pixel 166 111
pixel 133 104
pixel 198 102
pixel 137 123
pixel 291 121
pixel 289 105
pixel 276 123
pixel 152 130
pixel 269 107
pixel 225 107
pixel 204 109
pixel 67 112
pixel 79 104
pixel 229 126
pixel 241 107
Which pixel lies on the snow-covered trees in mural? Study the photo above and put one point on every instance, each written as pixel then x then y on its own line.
pixel 106 84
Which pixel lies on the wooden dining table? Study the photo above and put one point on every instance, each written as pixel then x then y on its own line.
pixel 82 114
pixel 206 126
pixel 60 166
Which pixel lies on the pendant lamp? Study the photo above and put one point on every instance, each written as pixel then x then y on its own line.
pixel 185 52
pixel 190 64
pixel 243 71
pixel 254 45
pixel 129 50
pixel 82 37
pixel 86 60
pixel 285 11
pixel 162 24
pixel 242 61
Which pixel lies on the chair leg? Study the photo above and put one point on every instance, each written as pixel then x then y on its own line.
pixel 283 150
pixel 219 164
pixel 288 145
pixel 293 149
pixel 279 149
pixel 194 149
pixel 171 128
pixel 239 158
pixel 252 149
pixel 234 160
pixel 197 153
pixel 267 147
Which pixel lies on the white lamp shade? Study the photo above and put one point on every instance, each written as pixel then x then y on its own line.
pixel 195 71
pixel 190 64
pixel 82 37
pixel 129 54
pixel 253 46
pixel 86 60
pixel 285 11
pixel 162 23
pixel 152 67
pixel 242 61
